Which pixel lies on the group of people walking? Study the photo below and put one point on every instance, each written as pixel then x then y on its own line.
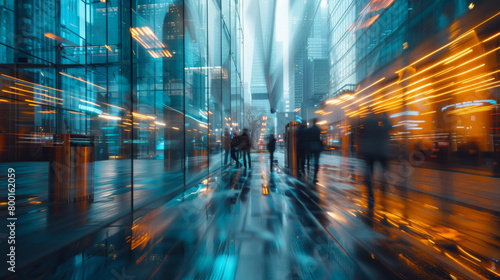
pixel 309 146
pixel 373 147
pixel 237 146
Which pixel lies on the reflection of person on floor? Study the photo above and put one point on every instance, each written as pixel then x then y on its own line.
pixel 245 147
pixel 271 146
pixel 301 150
pixel 374 145
pixel 226 144
pixel 315 146
pixel 234 148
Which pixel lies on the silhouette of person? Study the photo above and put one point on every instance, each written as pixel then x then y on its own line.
pixel 315 146
pixel 226 144
pixel 234 148
pixel 271 146
pixel 245 147
pixel 374 145
pixel 301 149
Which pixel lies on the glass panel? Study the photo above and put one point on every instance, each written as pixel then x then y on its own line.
pixel 219 143
pixel 197 115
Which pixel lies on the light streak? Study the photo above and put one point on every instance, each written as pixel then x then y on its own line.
pixel 10 77
pixel 479 76
pixel 457 56
pixel 465 252
pixel 19 84
pixel 92 103
pixel 109 117
pixel 81 80
pixel 441 48
pixel 143 116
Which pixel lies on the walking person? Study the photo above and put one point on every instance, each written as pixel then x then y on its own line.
pixel 235 142
pixel 226 144
pixel 244 146
pixel 315 146
pixel 271 146
pixel 301 150
pixel 374 145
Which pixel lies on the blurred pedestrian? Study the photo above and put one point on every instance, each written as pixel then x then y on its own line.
pixel 315 146
pixel 244 146
pixel 301 150
pixel 271 146
pixel 374 145
pixel 235 142
pixel 226 144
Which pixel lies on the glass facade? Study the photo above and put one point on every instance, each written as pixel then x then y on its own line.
pixel 149 86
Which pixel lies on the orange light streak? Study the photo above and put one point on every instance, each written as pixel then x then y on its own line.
pixel 464 266
pixel 445 71
pixel 20 89
pixel 413 90
pixel 457 56
pixel 487 88
pixel 441 48
pixel 81 80
pixel 479 77
pixel 465 252
pixel 496 35
pixel 19 84
pixel 378 81
pixel 10 77
pixel 426 69
pixel 23 90
pixel 478 57
pixel 4 90
pixel 427 113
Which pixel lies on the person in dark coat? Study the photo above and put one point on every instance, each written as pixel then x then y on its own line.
pixel 271 147
pixel 245 147
pixel 315 146
pixel 235 142
pixel 301 149
pixel 374 144
pixel 226 144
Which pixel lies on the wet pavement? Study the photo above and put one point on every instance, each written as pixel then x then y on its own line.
pixel 254 224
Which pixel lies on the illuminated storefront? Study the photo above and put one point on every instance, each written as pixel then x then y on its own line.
pixel 430 65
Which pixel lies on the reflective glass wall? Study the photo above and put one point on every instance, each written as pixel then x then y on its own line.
pixel 127 100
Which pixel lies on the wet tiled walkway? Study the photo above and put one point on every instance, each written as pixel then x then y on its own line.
pixel 254 224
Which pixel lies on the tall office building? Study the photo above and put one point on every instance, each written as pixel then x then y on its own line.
pixel 307 80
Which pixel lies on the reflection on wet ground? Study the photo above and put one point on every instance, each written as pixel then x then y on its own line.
pixel 253 224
